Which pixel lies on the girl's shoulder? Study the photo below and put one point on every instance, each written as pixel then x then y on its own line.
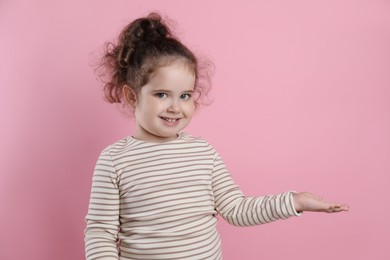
pixel 115 148
pixel 191 138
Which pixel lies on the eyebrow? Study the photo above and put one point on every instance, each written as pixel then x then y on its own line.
pixel 169 91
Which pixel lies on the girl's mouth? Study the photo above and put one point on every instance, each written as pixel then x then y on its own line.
pixel 170 121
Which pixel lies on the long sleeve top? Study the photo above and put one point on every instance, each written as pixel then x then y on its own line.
pixel 160 201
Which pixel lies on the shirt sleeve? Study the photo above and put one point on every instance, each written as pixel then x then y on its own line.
pixel 240 210
pixel 101 233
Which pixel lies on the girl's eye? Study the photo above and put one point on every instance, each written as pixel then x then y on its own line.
pixel 185 96
pixel 161 95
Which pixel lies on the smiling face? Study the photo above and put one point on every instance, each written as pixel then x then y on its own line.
pixel 165 105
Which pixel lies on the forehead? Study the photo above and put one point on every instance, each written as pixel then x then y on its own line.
pixel 175 76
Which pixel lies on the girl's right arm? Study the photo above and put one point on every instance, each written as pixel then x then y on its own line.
pixel 101 234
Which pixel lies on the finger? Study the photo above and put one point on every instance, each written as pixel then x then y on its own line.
pixel 337 208
pixel 332 210
pixel 341 207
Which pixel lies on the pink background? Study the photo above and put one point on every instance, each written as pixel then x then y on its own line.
pixel 301 92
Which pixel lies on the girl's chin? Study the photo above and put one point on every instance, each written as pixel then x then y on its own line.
pixel 163 137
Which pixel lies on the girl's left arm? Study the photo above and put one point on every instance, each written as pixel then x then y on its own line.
pixel 240 210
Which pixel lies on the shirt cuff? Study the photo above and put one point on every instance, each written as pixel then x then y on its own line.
pixel 296 213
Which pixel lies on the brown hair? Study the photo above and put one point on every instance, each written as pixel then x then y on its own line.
pixel 142 46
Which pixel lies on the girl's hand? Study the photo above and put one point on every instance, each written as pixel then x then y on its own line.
pixel 306 201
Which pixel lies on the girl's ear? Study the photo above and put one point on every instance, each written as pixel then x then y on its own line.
pixel 130 96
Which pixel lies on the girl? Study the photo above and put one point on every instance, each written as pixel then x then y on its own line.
pixel 156 194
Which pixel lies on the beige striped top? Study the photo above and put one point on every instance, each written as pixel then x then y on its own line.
pixel 160 201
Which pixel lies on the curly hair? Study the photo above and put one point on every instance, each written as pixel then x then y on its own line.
pixel 143 46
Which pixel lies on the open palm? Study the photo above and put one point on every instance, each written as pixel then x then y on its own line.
pixel 306 201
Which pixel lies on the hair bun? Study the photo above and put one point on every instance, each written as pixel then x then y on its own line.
pixel 151 29
pixel 141 31
pixel 162 30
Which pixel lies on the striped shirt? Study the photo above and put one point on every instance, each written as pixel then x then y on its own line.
pixel 160 201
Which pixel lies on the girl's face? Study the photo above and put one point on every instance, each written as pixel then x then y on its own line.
pixel 165 105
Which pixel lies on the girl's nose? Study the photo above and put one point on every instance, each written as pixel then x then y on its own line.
pixel 174 107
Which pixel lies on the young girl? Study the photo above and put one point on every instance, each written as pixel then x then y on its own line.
pixel 156 194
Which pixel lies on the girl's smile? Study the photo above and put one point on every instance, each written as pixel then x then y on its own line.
pixel 171 121
pixel 165 105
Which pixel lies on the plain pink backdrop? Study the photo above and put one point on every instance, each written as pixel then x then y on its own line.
pixel 301 101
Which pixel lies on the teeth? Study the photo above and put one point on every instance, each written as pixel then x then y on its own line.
pixel 171 120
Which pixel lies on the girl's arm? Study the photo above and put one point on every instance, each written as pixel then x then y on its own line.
pixel 101 234
pixel 240 210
